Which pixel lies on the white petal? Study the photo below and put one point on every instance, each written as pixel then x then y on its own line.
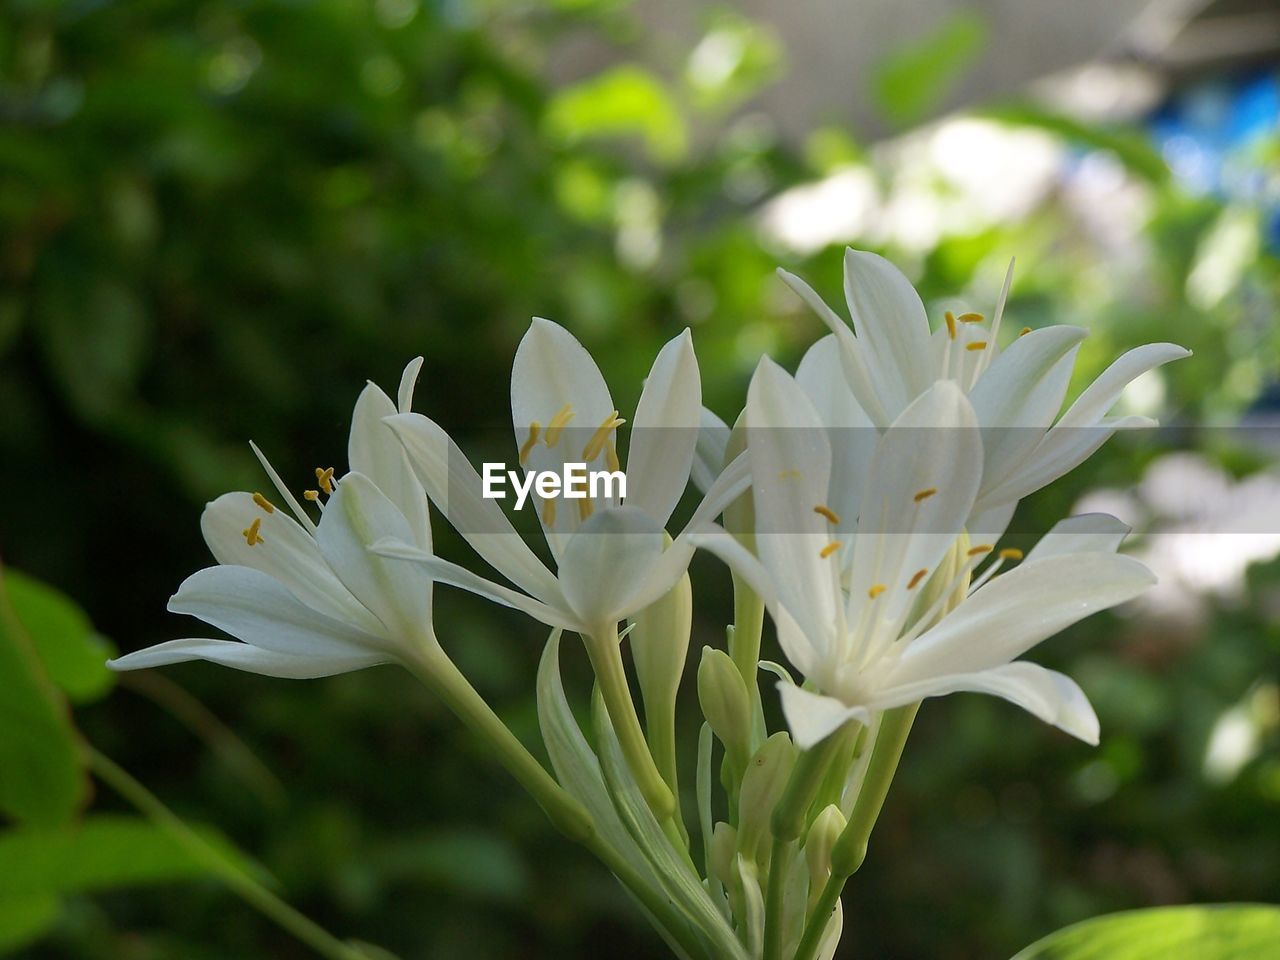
pixel 1019 609
pixel 374 451
pixel 445 571
pixel 812 717
pixel 852 435
pixel 286 552
pixel 923 480
pixel 1100 396
pixel 888 316
pixel 258 609
pixel 1086 533
pixel 791 469
pixel 990 525
pixel 244 656
pixel 398 594
pixel 733 482
pixel 606 564
pixel 1053 697
pixel 408 379
pixel 665 431
pixel 708 455
pixel 455 488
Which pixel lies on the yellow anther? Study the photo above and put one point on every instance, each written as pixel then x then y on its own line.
pixel 951 324
pixel 558 423
pixel 312 495
pixel 324 477
pixel 971 318
pixel 876 590
pixel 792 474
pixel 829 549
pixel 1010 553
pixel 549 513
pixel 535 428
pixel 611 457
pixel 924 494
pixel 601 436
pixel 980 550
pixel 976 345
pixel 585 508
pixel 1024 331
pixel 831 515
pixel 916 578
pixel 264 503
pixel 250 532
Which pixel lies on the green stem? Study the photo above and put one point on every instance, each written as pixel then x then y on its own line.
pixel 819 918
pixel 240 883
pixel 606 661
pixel 439 674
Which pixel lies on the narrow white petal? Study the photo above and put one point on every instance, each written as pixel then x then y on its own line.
pixel 1086 533
pixel 889 317
pixel 408 380
pixel 374 451
pixel 607 564
pixel 733 482
pixel 990 525
pixel 398 594
pixel 664 433
pixel 456 489
pixel 1100 396
pixel 1053 697
pixel 1019 609
pixel 244 656
pixel 258 609
pixel 284 550
pixel 290 500
pixel 445 571
pixel 812 717
pixel 708 455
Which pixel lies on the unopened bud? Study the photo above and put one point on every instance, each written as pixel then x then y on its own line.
pixel 762 787
pixel 725 704
pixel 724 850
pixel 822 837
pixel 660 646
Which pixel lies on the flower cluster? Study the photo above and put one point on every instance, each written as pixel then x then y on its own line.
pixel 860 502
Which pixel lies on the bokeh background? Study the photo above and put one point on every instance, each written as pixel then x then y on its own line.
pixel 217 219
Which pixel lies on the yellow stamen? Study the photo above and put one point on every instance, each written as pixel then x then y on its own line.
pixel 557 424
pixel 925 494
pixel 951 324
pixel 792 474
pixel 976 345
pixel 611 457
pixel 598 439
pixel 549 513
pixel 312 495
pixel 827 512
pixel 324 477
pixel 535 428
pixel 1024 331
pixel 585 508
pixel 264 503
pixel 971 318
pixel 916 578
pixel 1009 553
pixel 829 549
pixel 250 532
pixel 980 550
pixel 876 590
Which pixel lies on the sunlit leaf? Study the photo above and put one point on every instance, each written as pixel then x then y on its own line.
pixel 1219 932
pixel 24 919
pixel 627 101
pixel 74 655
pixel 917 77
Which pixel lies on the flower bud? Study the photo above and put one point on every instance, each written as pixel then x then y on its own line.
pixel 762 787
pixel 822 837
pixel 660 646
pixel 724 850
pixel 725 704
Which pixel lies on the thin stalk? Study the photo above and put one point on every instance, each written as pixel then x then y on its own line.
pixel 819 918
pixel 744 646
pixel 239 882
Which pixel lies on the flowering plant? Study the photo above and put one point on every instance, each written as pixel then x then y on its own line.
pixel 859 502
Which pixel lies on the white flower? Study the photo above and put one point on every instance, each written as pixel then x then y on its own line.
pixel 860 638
pixel 890 358
pixel 611 555
pixel 311 600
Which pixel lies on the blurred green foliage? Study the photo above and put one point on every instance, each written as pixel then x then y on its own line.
pixel 218 219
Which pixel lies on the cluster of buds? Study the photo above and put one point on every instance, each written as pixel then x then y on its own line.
pixel 860 503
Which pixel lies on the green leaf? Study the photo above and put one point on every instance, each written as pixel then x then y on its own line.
pixel 1219 932
pixel 41 777
pixel 99 853
pixel 916 78
pixel 25 919
pixel 625 101
pixel 74 655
